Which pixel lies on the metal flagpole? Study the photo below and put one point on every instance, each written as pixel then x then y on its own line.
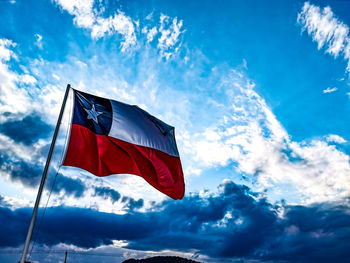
pixel 43 178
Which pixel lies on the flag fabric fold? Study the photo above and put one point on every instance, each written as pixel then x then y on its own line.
pixel 109 137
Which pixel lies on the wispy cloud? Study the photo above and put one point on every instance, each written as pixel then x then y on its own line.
pixel 169 41
pixel 150 33
pixel 327 30
pixel 168 34
pixel 330 90
pixel 38 41
pixel 86 16
pixel 252 137
pixel 335 138
pixel 119 23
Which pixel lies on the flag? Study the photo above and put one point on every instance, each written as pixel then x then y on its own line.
pixel 110 137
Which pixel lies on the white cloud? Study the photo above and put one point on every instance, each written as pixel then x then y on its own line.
pixel 28 79
pixel 55 76
pixel 51 96
pixel 191 170
pixel 16 98
pixel 327 30
pixel 119 23
pixel 150 34
pixel 329 90
pixel 16 203
pixel 335 138
pixel 5 51
pixel 245 64
pixel 82 10
pixel 86 16
pixel 38 41
pixel 12 98
pixel 252 137
pixel 169 40
pixel 124 26
pixel 149 16
pixel 12 148
pixel 80 63
pixel 169 31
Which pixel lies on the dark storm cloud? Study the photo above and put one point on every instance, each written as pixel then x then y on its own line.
pixel 30 174
pixel 131 203
pixel 14 226
pixel 73 187
pixel 27 130
pixel 83 227
pixel 320 233
pixel 19 170
pixel 107 192
pixel 231 224
pixel 2 201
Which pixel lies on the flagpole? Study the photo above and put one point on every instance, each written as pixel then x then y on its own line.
pixel 43 178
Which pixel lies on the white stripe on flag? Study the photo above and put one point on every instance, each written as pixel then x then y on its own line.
pixel 133 125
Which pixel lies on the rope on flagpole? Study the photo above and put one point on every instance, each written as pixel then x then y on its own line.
pixel 43 215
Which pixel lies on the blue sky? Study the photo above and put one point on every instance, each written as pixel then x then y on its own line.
pixel 258 91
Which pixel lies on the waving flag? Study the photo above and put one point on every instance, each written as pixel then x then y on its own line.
pixel 109 137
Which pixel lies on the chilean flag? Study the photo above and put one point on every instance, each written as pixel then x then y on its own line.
pixel 109 137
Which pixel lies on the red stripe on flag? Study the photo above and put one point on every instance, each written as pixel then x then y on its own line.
pixel 102 155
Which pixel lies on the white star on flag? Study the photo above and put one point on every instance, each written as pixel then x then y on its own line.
pixel 93 114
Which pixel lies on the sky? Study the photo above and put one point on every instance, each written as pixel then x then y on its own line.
pixel 258 93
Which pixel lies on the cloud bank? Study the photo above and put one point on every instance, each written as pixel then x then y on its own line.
pixel 232 223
